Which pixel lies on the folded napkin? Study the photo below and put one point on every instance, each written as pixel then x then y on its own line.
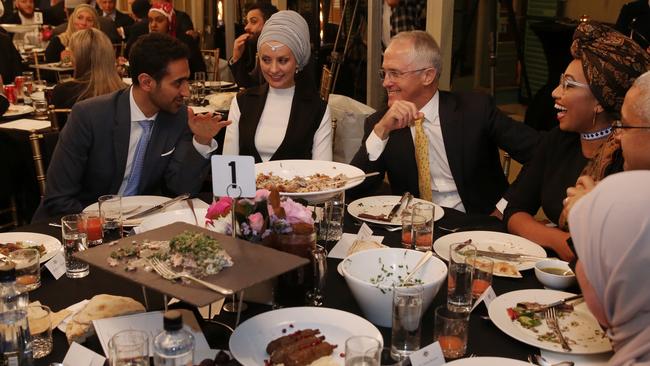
pixel 341 248
pixel 26 124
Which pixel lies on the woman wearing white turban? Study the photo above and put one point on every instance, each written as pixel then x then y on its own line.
pixel 610 228
pixel 283 118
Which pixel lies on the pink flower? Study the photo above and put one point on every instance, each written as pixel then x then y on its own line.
pixel 256 222
pixel 296 213
pixel 220 208
pixel 262 194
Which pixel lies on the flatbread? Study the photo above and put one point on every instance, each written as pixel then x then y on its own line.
pixel 361 245
pixel 506 269
pixel 99 307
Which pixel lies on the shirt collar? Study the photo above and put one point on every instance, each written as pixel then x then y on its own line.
pixel 136 113
pixel 430 109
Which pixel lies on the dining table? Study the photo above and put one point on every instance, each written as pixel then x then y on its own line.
pixel 485 339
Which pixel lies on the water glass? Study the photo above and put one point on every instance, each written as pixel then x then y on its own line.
pixel 331 226
pixel 40 109
pixel 408 223
pixel 319 264
pixel 451 330
pixel 28 268
pixel 362 351
pixel 74 240
pixel 460 275
pixel 422 230
pixel 483 269
pixel 39 318
pixel 129 347
pixel 110 211
pixel 92 226
pixel 407 315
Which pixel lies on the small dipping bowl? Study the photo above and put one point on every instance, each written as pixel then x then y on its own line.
pixel 555 274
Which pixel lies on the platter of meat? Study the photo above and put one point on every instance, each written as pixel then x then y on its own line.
pixel 298 336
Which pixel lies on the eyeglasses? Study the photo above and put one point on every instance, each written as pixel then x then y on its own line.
pixel 567 83
pixel 618 126
pixel 393 74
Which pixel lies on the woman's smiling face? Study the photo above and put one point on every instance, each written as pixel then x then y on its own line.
pixel 278 64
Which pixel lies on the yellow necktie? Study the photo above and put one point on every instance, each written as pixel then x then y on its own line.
pixel 422 160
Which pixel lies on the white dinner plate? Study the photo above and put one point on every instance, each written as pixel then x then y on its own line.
pixel 169 217
pixel 19 28
pixel 199 110
pixel 52 245
pixel 131 205
pixel 221 101
pixel 495 242
pixel 74 308
pixel 18 110
pixel 377 205
pixel 249 340
pixel 289 169
pixel 486 361
pixel 220 84
pixel 579 326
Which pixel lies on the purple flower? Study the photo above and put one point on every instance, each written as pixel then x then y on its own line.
pixel 256 222
pixel 262 194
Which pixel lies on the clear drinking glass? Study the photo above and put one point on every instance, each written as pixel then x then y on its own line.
pixel 362 351
pixel 39 318
pixel 129 348
pixel 483 269
pixel 422 228
pixel 319 264
pixel 28 268
pixel 331 226
pixel 459 279
pixel 74 240
pixel 408 223
pixel 110 210
pixel 92 226
pixel 451 330
pixel 40 109
pixel 407 316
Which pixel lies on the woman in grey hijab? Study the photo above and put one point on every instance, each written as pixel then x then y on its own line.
pixel 282 118
pixel 610 228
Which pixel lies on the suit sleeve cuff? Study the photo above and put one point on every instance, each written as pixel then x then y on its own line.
pixel 205 150
pixel 501 205
pixel 375 146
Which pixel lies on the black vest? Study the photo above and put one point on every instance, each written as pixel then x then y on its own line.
pixel 307 110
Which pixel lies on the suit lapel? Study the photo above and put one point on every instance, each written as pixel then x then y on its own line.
pixel 121 135
pixel 452 135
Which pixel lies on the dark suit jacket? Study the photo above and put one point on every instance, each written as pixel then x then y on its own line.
pixel 635 16
pixel 472 130
pixel 10 60
pixel 122 20
pixel 90 157
pixel 244 72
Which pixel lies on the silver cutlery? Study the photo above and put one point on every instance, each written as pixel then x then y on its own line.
pixel 190 203
pixel 168 274
pixel 159 207
pixel 397 206
pixel 551 321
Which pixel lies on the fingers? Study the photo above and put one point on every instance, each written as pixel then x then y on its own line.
pixel 586 182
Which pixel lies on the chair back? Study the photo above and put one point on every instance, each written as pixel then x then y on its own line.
pixel 325 83
pixel 211 59
pixel 58 116
pixel 42 145
pixel 348 117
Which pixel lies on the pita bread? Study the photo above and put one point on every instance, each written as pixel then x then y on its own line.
pixel 99 307
pixel 360 245
pixel 506 269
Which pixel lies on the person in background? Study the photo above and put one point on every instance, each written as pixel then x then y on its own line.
pixel 634 22
pixel 588 100
pixel 404 15
pixel 140 10
pixel 122 21
pixel 162 19
pixel 633 134
pixel 610 229
pixel 83 17
pixel 283 118
pixel 94 69
pixel 10 61
pixel 244 61
pixel 135 141
pixel 184 25
pixel 24 13
pixel 66 7
pixel 439 146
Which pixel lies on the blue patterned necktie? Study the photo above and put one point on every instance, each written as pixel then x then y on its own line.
pixel 132 186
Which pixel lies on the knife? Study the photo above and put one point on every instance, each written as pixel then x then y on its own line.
pixel 159 207
pixel 507 256
pixel 396 208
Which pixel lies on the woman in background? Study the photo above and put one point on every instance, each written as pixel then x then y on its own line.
pixel 83 17
pixel 94 69
pixel 285 117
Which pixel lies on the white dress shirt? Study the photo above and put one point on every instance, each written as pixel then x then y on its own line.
pixel 136 132
pixel 273 127
pixel 443 187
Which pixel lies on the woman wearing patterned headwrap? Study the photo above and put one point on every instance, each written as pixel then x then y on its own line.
pixel 285 117
pixel 610 228
pixel 588 100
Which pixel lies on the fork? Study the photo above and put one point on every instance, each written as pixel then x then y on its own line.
pixel 551 321
pixel 167 273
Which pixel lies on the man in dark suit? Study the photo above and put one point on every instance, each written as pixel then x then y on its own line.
pixel 460 134
pixel 109 11
pixel 140 140
pixel 23 14
pixel 634 22
pixel 243 60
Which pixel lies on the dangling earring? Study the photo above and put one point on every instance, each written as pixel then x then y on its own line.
pixel 297 71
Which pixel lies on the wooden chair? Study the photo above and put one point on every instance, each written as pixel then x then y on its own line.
pixel 325 83
pixel 42 145
pixel 506 164
pixel 211 59
pixel 58 116
pixel 334 122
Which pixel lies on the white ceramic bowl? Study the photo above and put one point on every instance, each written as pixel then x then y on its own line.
pixel 375 299
pixel 555 281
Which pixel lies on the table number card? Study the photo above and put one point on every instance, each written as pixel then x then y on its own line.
pixel 38 17
pixel 233 176
pixel 487 297
pixel 430 355
pixel 79 355
pixel 56 266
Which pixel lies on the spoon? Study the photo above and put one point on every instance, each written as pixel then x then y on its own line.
pixel 420 263
pixel 541 361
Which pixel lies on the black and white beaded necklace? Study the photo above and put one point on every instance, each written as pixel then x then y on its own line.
pixel 596 135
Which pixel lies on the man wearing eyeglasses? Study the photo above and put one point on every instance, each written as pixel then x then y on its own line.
pixel 633 133
pixel 452 157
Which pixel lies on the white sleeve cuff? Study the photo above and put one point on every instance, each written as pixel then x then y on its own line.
pixel 375 146
pixel 205 150
pixel 501 205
